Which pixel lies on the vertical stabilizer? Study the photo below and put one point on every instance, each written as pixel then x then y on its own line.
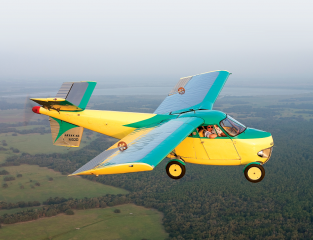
pixel 65 134
pixel 77 93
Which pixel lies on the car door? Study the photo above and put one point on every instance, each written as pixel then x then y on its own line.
pixel 220 148
pixel 186 148
pixel 200 151
pixel 191 148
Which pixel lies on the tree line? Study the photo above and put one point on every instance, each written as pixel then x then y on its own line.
pixel 58 205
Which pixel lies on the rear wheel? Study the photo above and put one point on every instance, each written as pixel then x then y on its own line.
pixel 254 173
pixel 175 170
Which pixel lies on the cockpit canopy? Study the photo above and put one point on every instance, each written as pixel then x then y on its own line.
pixel 232 126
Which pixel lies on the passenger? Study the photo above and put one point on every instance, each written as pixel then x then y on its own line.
pixel 201 131
pixel 210 132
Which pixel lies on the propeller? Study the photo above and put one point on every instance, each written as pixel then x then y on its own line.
pixel 30 110
pixel 28 113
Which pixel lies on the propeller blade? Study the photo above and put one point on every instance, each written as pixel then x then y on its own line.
pixel 28 113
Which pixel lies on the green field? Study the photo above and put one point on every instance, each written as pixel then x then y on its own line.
pixel 61 186
pixel 36 143
pixel 16 210
pixel 98 223
pixel 12 116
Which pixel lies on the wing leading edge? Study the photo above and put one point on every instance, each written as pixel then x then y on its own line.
pixel 147 147
pixel 199 92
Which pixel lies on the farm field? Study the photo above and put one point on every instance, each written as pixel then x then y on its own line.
pixel 12 116
pixel 143 223
pixel 36 143
pixel 60 186
pixel 16 210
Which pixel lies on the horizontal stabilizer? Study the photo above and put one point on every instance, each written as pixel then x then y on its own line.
pixel 58 104
pixel 72 96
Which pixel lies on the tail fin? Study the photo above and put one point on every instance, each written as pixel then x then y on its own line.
pixel 77 93
pixel 72 96
pixel 65 134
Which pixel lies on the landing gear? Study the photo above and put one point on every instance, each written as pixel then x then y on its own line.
pixel 254 173
pixel 175 169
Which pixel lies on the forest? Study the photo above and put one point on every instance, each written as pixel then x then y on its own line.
pixel 214 202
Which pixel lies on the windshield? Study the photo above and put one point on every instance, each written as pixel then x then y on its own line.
pixel 232 126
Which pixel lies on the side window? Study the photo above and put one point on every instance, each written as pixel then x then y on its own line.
pixel 210 131
pixel 201 131
pixel 195 133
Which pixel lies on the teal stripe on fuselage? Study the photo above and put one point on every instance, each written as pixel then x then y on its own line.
pixel 251 133
pixel 150 122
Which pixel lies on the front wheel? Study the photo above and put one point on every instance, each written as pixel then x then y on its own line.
pixel 254 173
pixel 175 170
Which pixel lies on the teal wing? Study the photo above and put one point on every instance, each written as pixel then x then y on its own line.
pixel 199 92
pixel 146 148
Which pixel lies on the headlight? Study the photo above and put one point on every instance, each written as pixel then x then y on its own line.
pixel 260 154
pixel 265 153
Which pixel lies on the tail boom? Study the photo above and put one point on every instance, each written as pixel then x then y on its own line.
pixel 110 123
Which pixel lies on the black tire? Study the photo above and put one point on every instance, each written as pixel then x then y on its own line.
pixel 254 173
pixel 175 170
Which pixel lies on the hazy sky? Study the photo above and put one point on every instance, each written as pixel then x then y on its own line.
pixel 94 40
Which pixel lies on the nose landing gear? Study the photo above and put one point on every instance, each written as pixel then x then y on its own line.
pixel 254 172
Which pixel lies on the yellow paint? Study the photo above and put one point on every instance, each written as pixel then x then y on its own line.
pixel 48 99
pixel 175 170
pixel 115 169
pixel 248 149
pixel 200 151
pixel 220 148
pixel 186 148
pixel 212 162
pixel 56 103
pixel 254 173
pixel 206 150
pixel 194 150
pixel 225 152
pixel 106 122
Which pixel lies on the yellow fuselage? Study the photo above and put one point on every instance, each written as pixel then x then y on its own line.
pixel 223 151
pixel 110 123
pixel 218 151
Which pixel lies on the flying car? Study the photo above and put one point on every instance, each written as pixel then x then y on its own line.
pixel 184 129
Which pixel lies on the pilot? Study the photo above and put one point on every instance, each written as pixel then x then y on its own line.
pixel 210 132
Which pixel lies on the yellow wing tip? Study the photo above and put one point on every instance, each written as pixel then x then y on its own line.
pixel 116 169
pixel 49 99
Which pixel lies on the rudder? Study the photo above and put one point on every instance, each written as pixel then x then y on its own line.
pixel 77 93
pixel 65 134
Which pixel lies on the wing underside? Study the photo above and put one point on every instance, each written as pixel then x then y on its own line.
pixel 146 148
pixel 194 93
